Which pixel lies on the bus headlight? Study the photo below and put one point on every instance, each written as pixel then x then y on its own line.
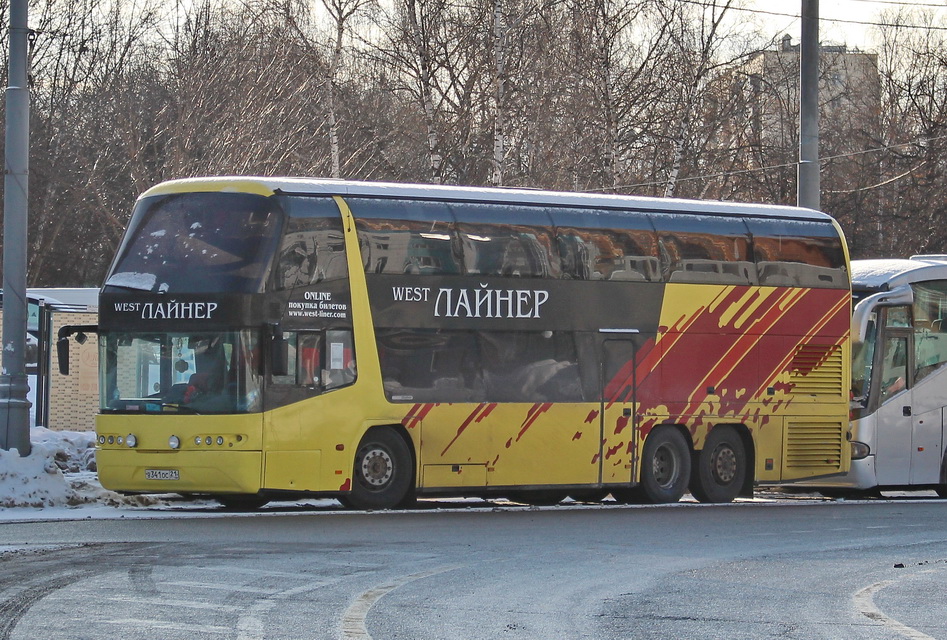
pixel 860 450
pixel 131 440
pixel 174 442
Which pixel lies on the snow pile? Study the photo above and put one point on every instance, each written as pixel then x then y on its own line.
pixel 60 471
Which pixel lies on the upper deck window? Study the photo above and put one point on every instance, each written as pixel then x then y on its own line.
pixel 798 253
pixel 606 245
pixel 406 236
pixel 313 245
pixel 198 243
pixel 704 249
pixel 507 240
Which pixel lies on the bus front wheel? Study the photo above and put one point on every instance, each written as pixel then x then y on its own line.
pixel 720 468
pixel 382 475
pixel 665 466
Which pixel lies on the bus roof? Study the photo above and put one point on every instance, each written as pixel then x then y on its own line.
pixel 324 186
pixel 887 273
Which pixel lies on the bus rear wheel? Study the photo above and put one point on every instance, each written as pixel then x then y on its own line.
pixel 665 466
pixel 383 473
pixel 720 468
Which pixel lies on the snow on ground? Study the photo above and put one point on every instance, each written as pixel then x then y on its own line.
pixel 58 481
pixel 59 472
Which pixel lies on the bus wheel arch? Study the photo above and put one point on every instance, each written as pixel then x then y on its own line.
pixel 722 469
pixel 665 465
pixel 383 473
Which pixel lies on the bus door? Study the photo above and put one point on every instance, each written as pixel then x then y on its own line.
pixel 894 419
pixel 927 431
pixel 618 422
pixel 909 421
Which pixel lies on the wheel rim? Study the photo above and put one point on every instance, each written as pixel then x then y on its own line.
pixel 724 464
pixel 377 467
pixel 665 466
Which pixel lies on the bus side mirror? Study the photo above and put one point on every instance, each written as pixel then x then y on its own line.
pixel 62 350
pixel 279 356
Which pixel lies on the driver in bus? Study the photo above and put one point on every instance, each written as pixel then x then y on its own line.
pixel 210 363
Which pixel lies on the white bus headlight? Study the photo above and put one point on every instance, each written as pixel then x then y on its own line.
pixel 174 442
pixel 860 450
pixel 131 440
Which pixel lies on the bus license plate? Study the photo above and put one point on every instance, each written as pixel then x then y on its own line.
pixel 161 474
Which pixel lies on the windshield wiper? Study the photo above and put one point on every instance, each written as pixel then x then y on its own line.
pixel 180 408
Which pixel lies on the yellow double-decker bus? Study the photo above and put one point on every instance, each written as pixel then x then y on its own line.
pixel 267 337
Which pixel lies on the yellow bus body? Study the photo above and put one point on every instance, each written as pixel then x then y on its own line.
pixel 797 427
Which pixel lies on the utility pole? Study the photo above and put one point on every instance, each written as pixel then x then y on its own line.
pixel 14 407
pixel 807 183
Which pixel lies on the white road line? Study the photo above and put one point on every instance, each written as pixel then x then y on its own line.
pixel 220 587
pixel 250 625
pixel 184 604
pixel 864 601
pixel 353 620
pixel 139 623
pixel 254 572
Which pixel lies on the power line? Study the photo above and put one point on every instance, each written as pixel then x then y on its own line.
pixel 726 174
pixel 795 16
pixel 903 4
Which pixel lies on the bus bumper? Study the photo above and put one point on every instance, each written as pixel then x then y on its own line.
pixel 180 471
pixel 861 475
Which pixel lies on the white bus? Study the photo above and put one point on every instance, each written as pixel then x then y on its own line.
pixel 899 378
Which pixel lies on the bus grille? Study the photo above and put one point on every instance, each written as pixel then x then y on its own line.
pixel 817 370
pixel 814 445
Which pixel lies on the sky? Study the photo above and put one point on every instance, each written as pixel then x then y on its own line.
pixel 841 21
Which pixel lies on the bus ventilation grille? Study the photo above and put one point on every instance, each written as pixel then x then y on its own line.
pixel 814 445
pixel 817 370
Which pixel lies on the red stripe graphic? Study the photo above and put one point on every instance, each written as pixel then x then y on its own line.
pixel 535 411
pixel 480 412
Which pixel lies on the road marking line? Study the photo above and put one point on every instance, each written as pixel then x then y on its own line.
pixel 353 620
pixel 160 602
pixel 221 587
pixel 141 623
pixel 250 626
pixel 864 600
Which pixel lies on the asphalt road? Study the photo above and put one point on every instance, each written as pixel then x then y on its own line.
pixel 748 570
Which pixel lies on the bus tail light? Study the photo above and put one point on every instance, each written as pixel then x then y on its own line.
pixel 860 450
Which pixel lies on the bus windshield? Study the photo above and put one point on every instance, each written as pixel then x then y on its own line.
pixel 206 372
pixel 228 238
pixel 863 354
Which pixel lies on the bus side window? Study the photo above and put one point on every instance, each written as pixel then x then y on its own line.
pixel 309 360
pixel 797 254
pixel 290 377
pixel 506 240
pixel 339 365
pixel 894 367
pixel 312 251
pixel 704 249
pixel 930 332
pixel 402 236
